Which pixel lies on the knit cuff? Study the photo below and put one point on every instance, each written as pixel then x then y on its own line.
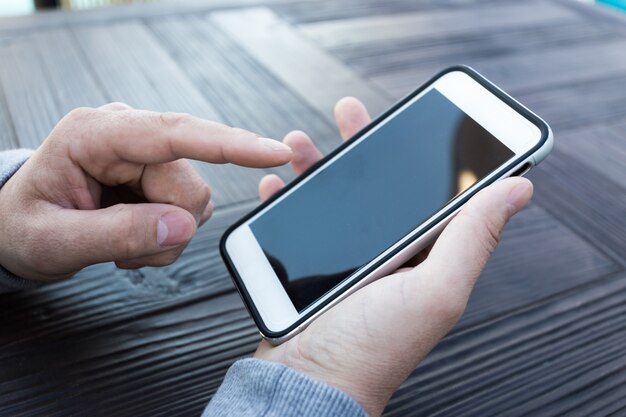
pixel 253 387
pixel 10 162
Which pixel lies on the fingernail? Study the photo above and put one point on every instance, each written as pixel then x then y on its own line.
pixel 274 145
pixel 174 229
pixel 519 196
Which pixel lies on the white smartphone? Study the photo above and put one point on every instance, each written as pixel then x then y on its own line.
pixel 380 198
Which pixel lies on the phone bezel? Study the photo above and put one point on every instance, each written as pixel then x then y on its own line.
pixel 435 220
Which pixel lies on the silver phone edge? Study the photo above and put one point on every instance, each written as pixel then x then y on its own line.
pixel 412 249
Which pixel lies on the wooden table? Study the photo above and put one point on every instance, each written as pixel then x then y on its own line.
pixel 545 331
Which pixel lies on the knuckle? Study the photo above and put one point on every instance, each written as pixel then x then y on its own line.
pixel 79 125
pixel 201 191
pixel 118 105
pixel 485 228
pixel 492 236
pixel 203 195
pixel 81 114
pixel 123 239
pixel 237 131
pixel 167 258
pixel 174 119
pixel 208 213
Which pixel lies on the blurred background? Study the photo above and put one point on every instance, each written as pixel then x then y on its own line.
pixel 20 7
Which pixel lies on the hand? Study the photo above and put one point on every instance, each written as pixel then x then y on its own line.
pixel 110 184
pixel 369 343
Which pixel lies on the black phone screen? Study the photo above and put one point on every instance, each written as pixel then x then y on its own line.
pixel 374 195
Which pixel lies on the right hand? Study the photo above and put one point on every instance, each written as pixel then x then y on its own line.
pixel 369 343
pixel 111 184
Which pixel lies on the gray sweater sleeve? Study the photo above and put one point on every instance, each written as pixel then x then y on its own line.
pixel 257 388
pixel 10 162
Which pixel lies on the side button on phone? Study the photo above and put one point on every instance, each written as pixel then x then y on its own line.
pixel 522 170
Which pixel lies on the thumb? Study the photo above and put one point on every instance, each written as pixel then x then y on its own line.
pixel 463 248
pixel 125 231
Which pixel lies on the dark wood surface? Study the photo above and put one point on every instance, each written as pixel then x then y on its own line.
pixel 545 330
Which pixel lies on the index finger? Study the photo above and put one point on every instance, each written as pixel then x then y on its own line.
pixel 146 137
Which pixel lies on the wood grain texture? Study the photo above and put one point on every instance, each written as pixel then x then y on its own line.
pixel 302 66
pixel 581 104
pixel 110 342
pixel 246 93
pixel 602 147
pixel 561 357
pixel 471 46
pixel 537 258
pixel 584 200
pixel 134 67
pixel 157 336
pixel 434 24
pixel 16 25
pixel 544 331
pixel 131 65
pixel 43 77
pixel 8 140
pixel 297 12
pixel 530 71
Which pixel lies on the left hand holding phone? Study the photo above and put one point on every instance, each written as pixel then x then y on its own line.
pixel 369 343
pixel 111 184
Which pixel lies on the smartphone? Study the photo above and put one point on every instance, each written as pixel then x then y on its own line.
pixel 380 198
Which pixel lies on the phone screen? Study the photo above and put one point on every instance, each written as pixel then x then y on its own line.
pixel 393 180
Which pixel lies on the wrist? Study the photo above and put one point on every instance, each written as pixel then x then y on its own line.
pixel 370 394
pixel 10 162
pixel 4 219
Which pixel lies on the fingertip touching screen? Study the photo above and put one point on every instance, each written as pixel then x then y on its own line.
pixel 390 182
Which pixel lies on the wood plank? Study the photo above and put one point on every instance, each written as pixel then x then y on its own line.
pixel 601 147
pixel 472 39
pixel 555 358
pixel 475 45
pixel 244 91
pixel 309 71
pixel 584 200
pixel 44 77
pixel 133 67
pixel 103 296
pixel 438 23
pixel 523 73
pixel 8 139
pixel 544 330
pixel 535 260
pixel 160 340
pixel 114 341
pixel 169 363
pixel 19 25
pixel 324 10
pixel 580 104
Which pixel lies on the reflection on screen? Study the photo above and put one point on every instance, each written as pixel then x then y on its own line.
pixel 374 195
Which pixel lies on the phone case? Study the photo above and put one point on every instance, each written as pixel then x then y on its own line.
pixel 402 254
